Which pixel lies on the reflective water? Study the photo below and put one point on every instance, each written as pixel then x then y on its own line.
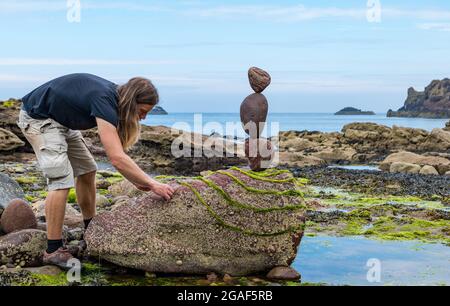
pixel 357 167
pixel 322 122
pixel 343 261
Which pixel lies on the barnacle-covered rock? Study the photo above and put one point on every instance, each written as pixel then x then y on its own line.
pixel 232 221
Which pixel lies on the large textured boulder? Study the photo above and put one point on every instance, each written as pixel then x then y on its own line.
pixel 228 222
pixel 9 190
pixel 23 248
pixel 17 216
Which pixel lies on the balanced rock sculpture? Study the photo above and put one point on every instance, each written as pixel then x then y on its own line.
pixel 232 221
pixel 254 112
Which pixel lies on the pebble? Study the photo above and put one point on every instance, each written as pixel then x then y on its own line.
pixel 227 279
pixel 179 263
pixel 212 277
pixel 283 273
pixel 150 275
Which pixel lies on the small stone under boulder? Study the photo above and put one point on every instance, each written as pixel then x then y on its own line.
pixel 283 273
pixel 18 216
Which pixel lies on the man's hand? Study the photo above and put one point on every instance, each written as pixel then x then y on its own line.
pixel 163 190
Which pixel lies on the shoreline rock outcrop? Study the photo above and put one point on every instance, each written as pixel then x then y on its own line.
pixel 407 162
pixel 228 222
pixel 433 102
pixel 359 143
pixel 356 143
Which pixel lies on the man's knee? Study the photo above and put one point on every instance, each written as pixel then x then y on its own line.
pixel 87 177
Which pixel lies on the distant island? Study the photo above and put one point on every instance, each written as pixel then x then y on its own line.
pixel 353 111
pixel 433 102
pixel 158 110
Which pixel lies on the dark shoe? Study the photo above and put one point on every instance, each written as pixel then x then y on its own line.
pixel 58 258
pixel 77 250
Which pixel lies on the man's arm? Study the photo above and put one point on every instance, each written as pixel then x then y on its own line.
pixel 125 165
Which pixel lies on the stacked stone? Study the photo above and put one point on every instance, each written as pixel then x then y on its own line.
pixel 254 112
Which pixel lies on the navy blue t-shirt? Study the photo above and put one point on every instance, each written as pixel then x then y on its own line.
pixel 74 100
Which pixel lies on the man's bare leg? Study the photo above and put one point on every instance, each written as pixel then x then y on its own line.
pixel 55 209
pixel 86 191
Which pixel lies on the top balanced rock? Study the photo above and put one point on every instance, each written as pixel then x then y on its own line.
pixel 259 79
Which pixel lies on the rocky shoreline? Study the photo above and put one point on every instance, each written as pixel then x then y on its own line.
pixel 383 205
pixel 357 143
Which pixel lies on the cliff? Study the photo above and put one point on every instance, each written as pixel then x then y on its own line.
pixel 434 102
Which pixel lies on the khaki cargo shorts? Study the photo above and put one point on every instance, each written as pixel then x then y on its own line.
pixel 62 153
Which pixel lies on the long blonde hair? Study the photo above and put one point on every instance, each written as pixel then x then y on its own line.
pixel 136 91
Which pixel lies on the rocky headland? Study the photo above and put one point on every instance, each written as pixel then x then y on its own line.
pixel 433 102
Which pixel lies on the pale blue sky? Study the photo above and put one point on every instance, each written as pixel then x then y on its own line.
pixel 323 55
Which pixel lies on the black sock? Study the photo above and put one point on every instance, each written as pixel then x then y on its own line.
pixel 86 223
pixel 54 245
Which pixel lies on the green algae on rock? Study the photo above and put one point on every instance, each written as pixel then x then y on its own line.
pixel 380 217
pixel 201 231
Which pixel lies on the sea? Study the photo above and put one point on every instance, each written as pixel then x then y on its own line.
pixel 228 124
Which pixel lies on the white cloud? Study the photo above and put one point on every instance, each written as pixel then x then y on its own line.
pixel 75 62
pixel 425 14
pixel 445 27
pixel 215 84
pixel 21 78
pixel 302 13
pixel 61 5
pixel 279 13
pixel 30 6
pixel 289 13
